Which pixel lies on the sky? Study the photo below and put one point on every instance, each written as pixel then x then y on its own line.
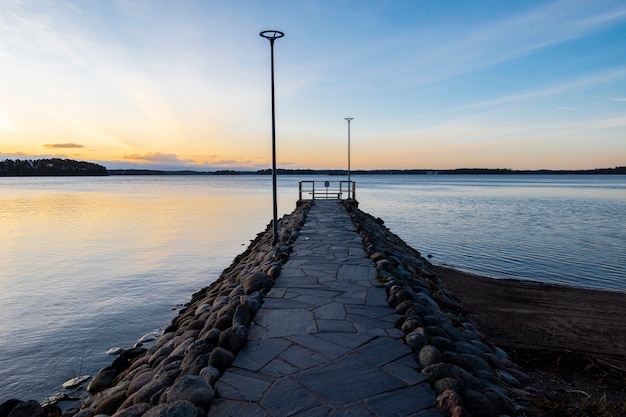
pixel 430 84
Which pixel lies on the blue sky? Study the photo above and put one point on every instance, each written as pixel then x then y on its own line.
pixel 430 84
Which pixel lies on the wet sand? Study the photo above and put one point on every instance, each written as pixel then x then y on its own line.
pixel 528 315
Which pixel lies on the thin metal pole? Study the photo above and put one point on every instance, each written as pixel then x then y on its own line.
pixel 272 35
pixel 275 222
pixel 349 119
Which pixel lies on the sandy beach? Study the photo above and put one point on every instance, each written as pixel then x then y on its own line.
pixel 572 341
pixel 531 315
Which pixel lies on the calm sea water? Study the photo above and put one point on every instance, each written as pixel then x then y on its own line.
pixel 87 264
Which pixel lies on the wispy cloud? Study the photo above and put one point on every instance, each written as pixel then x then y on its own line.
pixel 610 123
pixel 618 98
pixel 487 43
pixel 62 145
pixel 557 88
pixel 157 158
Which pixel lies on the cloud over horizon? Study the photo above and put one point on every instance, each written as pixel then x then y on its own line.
pixel 62 145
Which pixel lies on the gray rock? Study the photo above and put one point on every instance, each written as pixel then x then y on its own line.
pixel 501 354
pixel 189 367
pixel 488 379
pixel 7 406
pixel 224 322
pixel 210 375
pixel 485 348
pixel 509 379
pixel 395 299
pixel 437 331
pixel 202 308
pixel 194 389
pixel 447 384
pixel 242 316
pixel 502 405
pixel 429 355
pixel 159 355
pixel 415 340
pixel 522 377
pixel 437 371
pixel 252 303
pixel 410 324
pixel 140 380
pixel 221 358
pixel 29 408
pixel 478 404
pixel 256 282
pixel 111 403
pixel 442 343
pixel 465 377
pixel 467 361
pixel 136 410
pixel 385 265
pixel 274 270
pixel 466 347
pixel 234 338
pixel 212 337
pixel 87 412
pixel 418 310
pixel 404 306
pixel 101 381
pixel 236 292
pixel 147 392
pixel 454 333
pixel 175 409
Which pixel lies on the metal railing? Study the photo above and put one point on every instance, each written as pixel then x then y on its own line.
pixel 327 190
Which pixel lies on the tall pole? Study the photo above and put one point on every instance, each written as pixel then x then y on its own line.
pixel 349 119
pixel 272 35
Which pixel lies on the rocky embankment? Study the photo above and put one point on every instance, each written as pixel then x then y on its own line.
pixel 470 377
pixel 176 376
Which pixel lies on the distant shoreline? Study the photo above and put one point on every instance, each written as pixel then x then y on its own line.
pixel 458 171
pixel 68 167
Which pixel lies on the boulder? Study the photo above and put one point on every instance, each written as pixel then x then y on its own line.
pixel 136 410
pixel 210 375
pixel 194 389
pixel 257 281
pixel 29 408
pixel 102 381
pixel 234 338
pixel 111 403
pixel 7 406
pixel 242 316
pixel 175 409
pixel 429 355
pixel 221 358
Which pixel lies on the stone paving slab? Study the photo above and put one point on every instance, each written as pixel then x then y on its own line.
pixel 324 342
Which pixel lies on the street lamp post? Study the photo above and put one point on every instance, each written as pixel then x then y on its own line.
pixel 272 35
pixel 349 119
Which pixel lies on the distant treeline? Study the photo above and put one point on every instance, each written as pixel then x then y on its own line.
pixel 49 167
pixel 58 167
pixel 338 172
pixel 458 171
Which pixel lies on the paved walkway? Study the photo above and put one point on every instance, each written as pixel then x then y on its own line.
pixel 324 342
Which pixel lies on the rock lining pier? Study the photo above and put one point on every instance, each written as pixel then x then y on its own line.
pixel 340 318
